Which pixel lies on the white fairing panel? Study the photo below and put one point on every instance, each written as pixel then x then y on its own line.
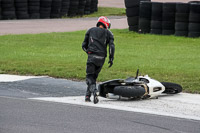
pixel 155 87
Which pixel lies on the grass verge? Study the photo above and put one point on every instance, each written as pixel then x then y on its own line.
pixel 165 58
pixel 105 11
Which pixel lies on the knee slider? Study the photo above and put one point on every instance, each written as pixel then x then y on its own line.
pixel 88 81
pixel 92 88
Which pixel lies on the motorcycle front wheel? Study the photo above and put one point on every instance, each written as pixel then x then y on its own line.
pixel 172 88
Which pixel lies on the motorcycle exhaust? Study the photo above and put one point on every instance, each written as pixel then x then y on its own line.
pixel 112 96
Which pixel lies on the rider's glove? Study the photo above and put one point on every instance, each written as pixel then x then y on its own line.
pixel 110 62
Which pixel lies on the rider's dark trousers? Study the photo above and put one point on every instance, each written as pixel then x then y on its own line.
pixel 94 66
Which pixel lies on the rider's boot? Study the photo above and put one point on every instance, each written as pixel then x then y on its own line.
pixel 96 100
pixel 88 95
pixel 94 91
pixel 87 99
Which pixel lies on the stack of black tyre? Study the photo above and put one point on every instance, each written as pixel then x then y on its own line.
pixel 96 5
pixel 194 20
pixel 8 9
pixel 21 7
pixel 168 18
pixel 132 12
pixel 145 17
pixel 45 8
pixel 0 10
pixel 65 8
pixel 34 9
pixel 81 7
pixel 87 7
pixel 182 17
pixel 93 6
pixel 179 19
pixel 56 8
pixel 156 18
pixel 73 9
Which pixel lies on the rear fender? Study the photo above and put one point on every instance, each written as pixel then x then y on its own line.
pixel 108 86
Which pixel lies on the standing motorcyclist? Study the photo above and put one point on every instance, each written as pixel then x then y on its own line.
pixel 95 45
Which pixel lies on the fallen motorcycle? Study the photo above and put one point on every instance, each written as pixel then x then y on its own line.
pixel 139 87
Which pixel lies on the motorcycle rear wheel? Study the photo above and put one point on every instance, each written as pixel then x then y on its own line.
pixel 129 91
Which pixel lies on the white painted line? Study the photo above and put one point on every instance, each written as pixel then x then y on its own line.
pixel 181 105
pixel 13 78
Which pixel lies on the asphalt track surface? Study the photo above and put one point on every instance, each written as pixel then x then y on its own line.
pixel 55 25
pixel 27 116
pixel 46 105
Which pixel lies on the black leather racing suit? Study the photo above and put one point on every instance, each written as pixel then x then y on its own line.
pixel 95 45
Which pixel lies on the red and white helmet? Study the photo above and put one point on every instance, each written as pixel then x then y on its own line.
pixel 104 21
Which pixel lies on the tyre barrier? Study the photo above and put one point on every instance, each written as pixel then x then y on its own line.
pixel 168 18
pixel 8 9
pixel 144 25
pixel 81 7
pixel 194 20
pixel 156 18
pixel 56 8
pixel 0 10
pixel 87 7
pixel 73 8
pixel 36 9
pixel 179 19
pixel 93 6
pixel 21 8
pixel 182 19
pixel 65 8
pixel 45 9
pixel 132 12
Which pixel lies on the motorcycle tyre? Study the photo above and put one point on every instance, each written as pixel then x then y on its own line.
pixel 172 88
pixel 129 91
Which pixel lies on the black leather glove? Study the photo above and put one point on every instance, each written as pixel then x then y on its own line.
pixel 110 62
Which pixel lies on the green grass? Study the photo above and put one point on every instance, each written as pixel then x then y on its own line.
pixel 106 11
pixel 165 58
